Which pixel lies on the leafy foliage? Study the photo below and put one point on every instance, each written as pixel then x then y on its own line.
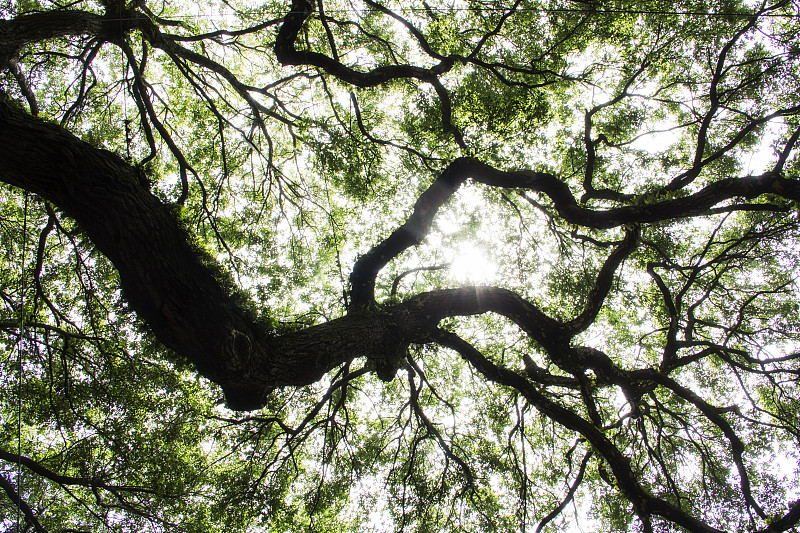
pixel 590 210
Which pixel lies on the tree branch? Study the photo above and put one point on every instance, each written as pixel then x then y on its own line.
pixel 644 504
pixel 287 54
pixel 93 483
pixel 21 504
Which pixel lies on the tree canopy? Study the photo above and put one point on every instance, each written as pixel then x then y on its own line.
pixel 360 265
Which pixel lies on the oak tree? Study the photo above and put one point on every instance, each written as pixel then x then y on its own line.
pixel 365 266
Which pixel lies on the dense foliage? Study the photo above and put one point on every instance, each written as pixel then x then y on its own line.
pixel 380 266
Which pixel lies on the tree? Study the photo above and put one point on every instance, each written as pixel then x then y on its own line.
pixel 474 266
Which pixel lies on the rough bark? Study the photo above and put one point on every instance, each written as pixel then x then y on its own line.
pixel 177 290
pixel 180 292
pixel 22 31
pixel 165 279
pixel 184 296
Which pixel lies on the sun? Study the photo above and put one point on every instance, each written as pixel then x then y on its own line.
pixel 471 264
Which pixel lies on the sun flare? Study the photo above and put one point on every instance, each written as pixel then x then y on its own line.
pixel 470 264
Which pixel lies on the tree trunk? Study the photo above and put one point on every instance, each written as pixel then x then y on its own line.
pixel 169 283
pixel 180 292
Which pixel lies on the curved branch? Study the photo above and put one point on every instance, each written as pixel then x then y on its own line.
pixel 602 284
pixel 94 483
pixel 692 205
pixel 644 504
pixel 21 504
pixel 591 144
pixel 144 102
pixel 417 226
pixel 362 128
pixel 713 414
pixel 287 54
pixel 411 233
pixel 399 277
pixel 714 101
pixel 24 86
pixel 670 347
pixel 570 494
pixel 421 39
pixel 787 150
pixel 786 522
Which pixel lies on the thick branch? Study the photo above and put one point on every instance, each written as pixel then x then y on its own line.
pixel 414 230
pixel 411 233
pixel 22 31
pixel 21 504
pixel 167 281
pixel 688 206
pixel 287 54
